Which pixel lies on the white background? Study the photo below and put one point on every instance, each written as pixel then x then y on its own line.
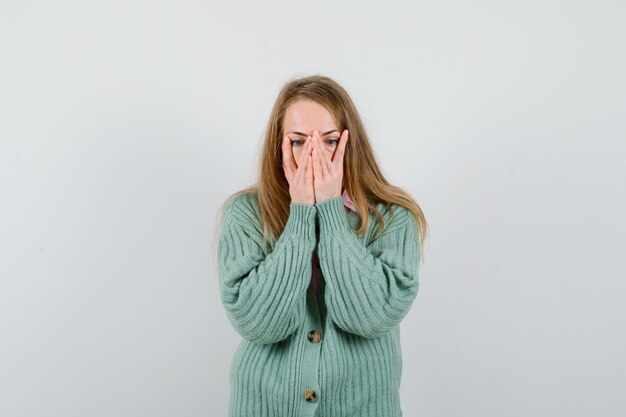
pixel 124 125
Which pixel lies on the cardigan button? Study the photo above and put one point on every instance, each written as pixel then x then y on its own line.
pixel 309 395
pixel 314 336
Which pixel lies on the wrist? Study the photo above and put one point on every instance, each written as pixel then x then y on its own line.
pixel 332 214
pixel 301 220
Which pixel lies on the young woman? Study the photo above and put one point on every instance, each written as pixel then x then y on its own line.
pixel 318 264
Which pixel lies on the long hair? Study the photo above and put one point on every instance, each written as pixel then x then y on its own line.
pixel 362 178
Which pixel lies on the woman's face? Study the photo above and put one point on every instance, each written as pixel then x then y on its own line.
pixel 304 116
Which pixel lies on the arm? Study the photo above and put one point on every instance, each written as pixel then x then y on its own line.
pixel 264 296
pixel 369 289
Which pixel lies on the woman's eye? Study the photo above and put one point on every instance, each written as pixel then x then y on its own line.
pixel 299 142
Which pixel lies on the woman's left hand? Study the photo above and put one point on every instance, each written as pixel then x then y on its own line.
pixel 327 168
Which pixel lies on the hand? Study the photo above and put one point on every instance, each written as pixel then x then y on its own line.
pixel 327 168
pixel 299 177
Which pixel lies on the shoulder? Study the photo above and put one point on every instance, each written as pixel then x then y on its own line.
pixel 242 207
pixel 393 213
pixel 397 217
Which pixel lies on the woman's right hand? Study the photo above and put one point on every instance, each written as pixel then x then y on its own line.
pixel 300 176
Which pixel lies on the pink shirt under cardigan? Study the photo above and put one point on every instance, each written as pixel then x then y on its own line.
pixel 317 272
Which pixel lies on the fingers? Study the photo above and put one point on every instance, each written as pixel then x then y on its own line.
pixel 322 155
pixel 341 149
pixel 308 178
pixel 302 162
pixel 289 164
pixel 316 161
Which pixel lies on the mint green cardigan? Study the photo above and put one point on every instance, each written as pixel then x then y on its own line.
pixel 332 353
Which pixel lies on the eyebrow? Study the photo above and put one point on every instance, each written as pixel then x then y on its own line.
pixel 323 134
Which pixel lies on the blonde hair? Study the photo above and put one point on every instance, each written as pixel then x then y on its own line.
pixel 362 178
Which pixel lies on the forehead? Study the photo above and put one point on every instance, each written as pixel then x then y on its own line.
pixel 307 115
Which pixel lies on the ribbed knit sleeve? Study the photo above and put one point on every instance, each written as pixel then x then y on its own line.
pixel 369 289
pixel 265 296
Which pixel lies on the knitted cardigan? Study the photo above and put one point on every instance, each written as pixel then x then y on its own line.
pixel 329 351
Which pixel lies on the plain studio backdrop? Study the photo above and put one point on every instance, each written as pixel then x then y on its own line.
pixel 124 125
